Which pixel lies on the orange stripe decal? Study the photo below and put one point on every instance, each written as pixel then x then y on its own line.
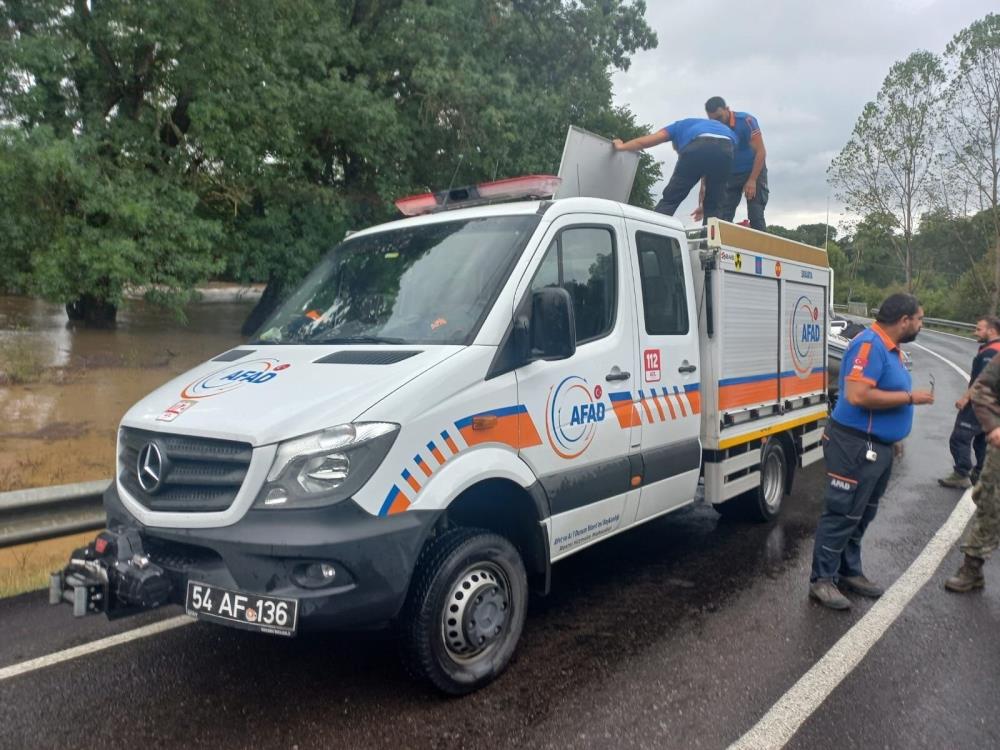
pixel 625 410
pixel 449 442
pixel 419 461
pixel 645 406
pixel 436 452
pixel 744 394
pixel 680 401
pixel 411 480
pixel 694 398
pixel 656 403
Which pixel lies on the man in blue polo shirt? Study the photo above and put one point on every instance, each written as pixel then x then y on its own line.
pixel 749 172
pixel 704 152
pixel 874 414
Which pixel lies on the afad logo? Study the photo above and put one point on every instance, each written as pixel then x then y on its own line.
pixel 804 336
pixel 254 371
pixel 572 414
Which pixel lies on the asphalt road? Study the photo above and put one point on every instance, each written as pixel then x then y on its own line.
pixel 680 634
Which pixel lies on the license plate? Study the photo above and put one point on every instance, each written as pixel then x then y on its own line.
pixel 266 614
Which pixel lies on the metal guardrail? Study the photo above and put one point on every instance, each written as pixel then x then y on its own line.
pixel 940 323
pixel 858 308
pixel 47 512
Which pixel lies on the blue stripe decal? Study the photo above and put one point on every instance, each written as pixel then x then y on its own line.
pixel 692 387
pixel 389 499
pixel 506 411
pixel 813 371
pixel 418 459
pixel 406 474
pixel 747 379
pixel 620 396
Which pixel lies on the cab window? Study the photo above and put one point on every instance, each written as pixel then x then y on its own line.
pixel 581 260
pixel 661 271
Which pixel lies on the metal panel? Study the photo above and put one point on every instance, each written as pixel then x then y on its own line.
pixel 591 168
pixel 804 330
pixel 811 456
pixel 749 327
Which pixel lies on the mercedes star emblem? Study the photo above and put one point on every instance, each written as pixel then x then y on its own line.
pixel 149 468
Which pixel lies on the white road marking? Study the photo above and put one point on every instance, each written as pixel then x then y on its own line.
pixel 948 362
pixel 786 716
pixel 89 648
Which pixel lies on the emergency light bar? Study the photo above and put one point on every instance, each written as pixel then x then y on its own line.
pixel 513 188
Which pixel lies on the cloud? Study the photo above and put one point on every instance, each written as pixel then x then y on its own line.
pixel 805 69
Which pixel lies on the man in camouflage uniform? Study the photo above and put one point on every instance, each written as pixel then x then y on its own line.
pixel 984 534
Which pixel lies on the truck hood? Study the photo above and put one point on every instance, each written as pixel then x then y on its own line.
pixel 273 393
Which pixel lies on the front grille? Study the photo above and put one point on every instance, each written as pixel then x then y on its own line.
pixel 197 474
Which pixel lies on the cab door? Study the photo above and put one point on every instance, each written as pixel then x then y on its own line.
pixel 667 394
pixel 585 435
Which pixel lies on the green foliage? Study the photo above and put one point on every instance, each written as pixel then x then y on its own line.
pixel 885 167
pixel 156 144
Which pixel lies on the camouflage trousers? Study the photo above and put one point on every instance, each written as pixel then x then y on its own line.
pixel 984 534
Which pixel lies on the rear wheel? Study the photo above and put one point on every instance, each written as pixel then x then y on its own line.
pixel 465 610
pixel 764 502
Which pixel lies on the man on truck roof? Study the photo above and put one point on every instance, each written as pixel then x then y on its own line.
pixel 749 172
pixel 704 152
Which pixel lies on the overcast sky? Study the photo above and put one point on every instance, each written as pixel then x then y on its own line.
pixel 804 68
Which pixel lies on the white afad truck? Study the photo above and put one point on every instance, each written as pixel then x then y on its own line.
pixel 451 403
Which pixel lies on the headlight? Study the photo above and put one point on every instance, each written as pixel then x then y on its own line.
pixel 323 467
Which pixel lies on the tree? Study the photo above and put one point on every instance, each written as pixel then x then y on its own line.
pixel 972 139
pixel 885 167
pixel 164 143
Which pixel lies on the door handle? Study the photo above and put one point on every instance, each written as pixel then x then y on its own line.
pixel 617 374
pixel 686 368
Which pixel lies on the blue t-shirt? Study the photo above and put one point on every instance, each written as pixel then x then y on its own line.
pixel 745 126
pixel 873 358
pixel 683 132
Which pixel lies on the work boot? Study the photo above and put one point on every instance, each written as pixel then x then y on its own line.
pixel 861 585
pixel 968 577
pixel 956 480
pixel 974 476
pixel 826 593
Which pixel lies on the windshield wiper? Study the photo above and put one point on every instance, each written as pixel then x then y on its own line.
pixel 358 340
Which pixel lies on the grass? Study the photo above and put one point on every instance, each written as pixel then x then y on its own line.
pixel 20 362
pixel 26 567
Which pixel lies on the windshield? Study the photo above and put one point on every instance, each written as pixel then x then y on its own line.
pixel 430 284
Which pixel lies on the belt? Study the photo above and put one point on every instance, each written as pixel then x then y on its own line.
pixel 709 140
pixel 713 135
pixel 858 433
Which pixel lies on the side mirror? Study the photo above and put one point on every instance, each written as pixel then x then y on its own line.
pixel 553 325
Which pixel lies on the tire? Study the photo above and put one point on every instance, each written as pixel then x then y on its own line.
pixel 465 610
pixel 763 503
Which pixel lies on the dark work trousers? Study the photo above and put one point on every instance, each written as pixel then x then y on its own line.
pixel 854 486
pixel 711 158
pixel 967 436
pixel 734 194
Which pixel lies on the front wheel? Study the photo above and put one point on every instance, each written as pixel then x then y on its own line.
pixel 465 611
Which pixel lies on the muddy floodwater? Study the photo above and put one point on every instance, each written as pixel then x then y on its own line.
pixel 59 427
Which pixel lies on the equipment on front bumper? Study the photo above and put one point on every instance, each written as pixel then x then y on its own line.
pixel 112 574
